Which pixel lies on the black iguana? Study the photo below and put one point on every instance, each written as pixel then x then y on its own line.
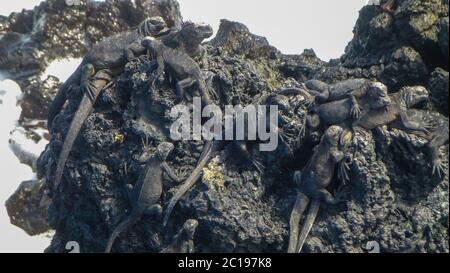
pixel 401 101
pixel 188 73
pixel 418 122
pixel 109 55
pixel 438 137
pixel 183 242
pixel 145 194
pixel 240 150
pixel 126 46
pixel 185 69
pixel 352 89
pixel 189 38
pixel 338 112
pixel 313 182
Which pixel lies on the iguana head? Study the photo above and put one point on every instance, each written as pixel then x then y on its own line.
pixel 412 95
pixel 164 150
pixel 153 26
pixel 333 135
pixel 196 31
pixel 189 228
pixel 378 94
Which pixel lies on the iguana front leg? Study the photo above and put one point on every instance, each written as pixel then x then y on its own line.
pixel 355 110
pixel 86 85
pixel 414 126
pixel 133 50
pixel 182 86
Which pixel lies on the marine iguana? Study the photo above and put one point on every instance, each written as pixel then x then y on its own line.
pixel 183 242
pixel 188 73
pixel 208 150
pixel 109 55
pixel 406 98
pixel 352 89
pixel 418 122
pixel 103 55
pixel 145 194
pixel 185 70
pixel 438 137
pixel 338 112
pixel 312 183
pixel 189 38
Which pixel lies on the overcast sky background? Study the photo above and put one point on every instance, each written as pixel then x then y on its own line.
pixel 290 25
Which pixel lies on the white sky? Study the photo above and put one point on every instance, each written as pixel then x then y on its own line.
pixel 290 25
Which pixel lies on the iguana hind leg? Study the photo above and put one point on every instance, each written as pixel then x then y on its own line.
pixel 182 86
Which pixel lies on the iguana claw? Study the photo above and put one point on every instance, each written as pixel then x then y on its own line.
pixel 90 90
pixel 258 165
pixel 438 168
pixel 341 194
pixel 343 171
pixel 355 111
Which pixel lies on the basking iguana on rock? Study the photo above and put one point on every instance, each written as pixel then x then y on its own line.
pixel 438 136
pixel 183 242
pixel 352 89
pixel 106 59
pixel 189 38
pixel 418 122
pixel 396 112
pixel 110 56
pixel 240 148
pixel 145 194
pixel 116 57
pixel 338 112
pixel 184 68
pixel 313 182
pixel 188 73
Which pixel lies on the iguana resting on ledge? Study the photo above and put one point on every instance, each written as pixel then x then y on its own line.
pixel 110 56
pixel 188 73
pixel 438 137
pixel 185 70
pixel 416 122
pixel 240 149
pixel 145 194
pixel 352 89
pixel 338 112
pixel 117 56
pixel 190 38
pixel 313 182
pixel 183 242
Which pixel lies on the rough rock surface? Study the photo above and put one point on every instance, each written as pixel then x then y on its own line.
pixel 28 207
pixel 394 200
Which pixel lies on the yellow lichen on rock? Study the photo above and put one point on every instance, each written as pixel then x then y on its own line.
pixel 213 175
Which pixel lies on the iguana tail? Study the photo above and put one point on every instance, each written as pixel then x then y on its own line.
pixel 123 225
pixel 192 179
pixel 84 110
pixel 61 97
pixel 297 211
pixel 309 222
